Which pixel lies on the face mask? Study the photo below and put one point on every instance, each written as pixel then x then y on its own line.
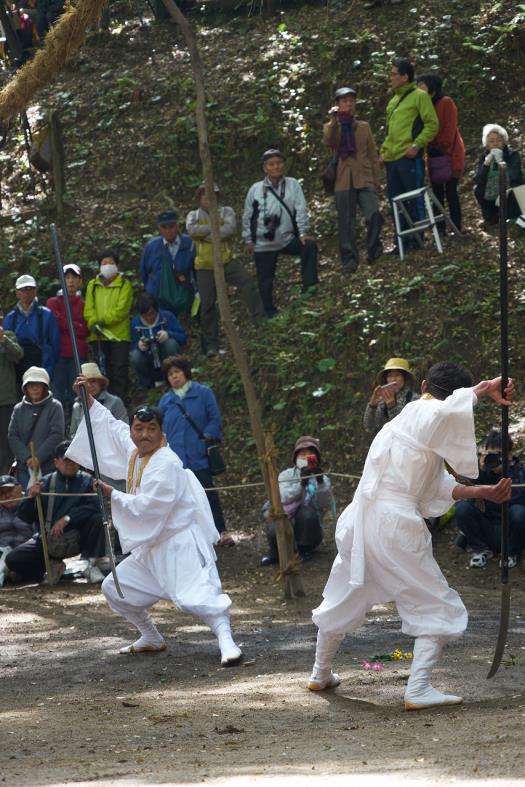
pixel 107 271
pixel 301 462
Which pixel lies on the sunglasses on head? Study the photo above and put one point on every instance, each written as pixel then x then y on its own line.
pixel 145 414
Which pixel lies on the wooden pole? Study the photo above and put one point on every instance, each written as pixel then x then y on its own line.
pixel 239 353
pixel 51 578
pixel 57 161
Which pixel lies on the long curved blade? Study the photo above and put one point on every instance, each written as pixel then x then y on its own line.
pixel 503 629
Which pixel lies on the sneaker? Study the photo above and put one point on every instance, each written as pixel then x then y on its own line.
pixel 269 560
pixel 320 684
pixel 512 561
pixel 480 559
pixel 94 575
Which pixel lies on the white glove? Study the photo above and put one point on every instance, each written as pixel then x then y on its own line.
pixel 497 154
pixel 489 158
pixel 143 346
pixel 162 336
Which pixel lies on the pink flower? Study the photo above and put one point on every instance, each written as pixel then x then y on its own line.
pixel 367 665
pixel 377 666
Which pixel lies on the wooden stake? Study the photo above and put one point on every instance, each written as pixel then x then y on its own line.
pixel 286 553
pixel 42 523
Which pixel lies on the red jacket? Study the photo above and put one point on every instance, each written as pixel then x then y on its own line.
pixel 58 308
pixel 448 139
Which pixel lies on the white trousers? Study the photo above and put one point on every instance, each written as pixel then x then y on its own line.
pixel 399 567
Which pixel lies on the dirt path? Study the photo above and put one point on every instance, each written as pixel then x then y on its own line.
pixel 75 712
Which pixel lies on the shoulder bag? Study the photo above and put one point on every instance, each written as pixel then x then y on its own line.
pixel 215 460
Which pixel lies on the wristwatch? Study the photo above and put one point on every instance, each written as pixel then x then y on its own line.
pixel 67 519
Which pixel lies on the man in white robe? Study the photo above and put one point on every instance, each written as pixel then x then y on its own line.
pixel 384 547
pixel 164 521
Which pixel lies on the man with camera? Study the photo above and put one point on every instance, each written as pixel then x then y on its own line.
pixel 155 334
pixel 275 221
pixel 479 521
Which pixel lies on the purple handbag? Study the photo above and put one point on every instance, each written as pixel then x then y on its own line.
pixel 440 168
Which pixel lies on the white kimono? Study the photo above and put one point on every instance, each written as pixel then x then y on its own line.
pixel 167 525
pixel 385 549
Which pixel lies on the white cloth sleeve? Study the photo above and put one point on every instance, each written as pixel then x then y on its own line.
pixel 453 434
pixel 290 487
pixel 442 500
pixel 112 441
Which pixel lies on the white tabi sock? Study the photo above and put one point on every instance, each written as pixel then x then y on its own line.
pixel 420 694
pixel 322 676
pixel 150 635
pixel 230 652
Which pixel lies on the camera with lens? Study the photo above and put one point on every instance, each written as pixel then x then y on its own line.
pixel 271 223
pixel 492 461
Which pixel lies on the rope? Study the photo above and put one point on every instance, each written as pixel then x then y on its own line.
pixel 61 42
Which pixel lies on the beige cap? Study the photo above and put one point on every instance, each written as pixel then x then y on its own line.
pixel 35 374
pixel 92 372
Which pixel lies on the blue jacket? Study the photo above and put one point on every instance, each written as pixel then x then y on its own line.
pixel 27 328
pixel 151 261
pixel 166 321
pixel 200 403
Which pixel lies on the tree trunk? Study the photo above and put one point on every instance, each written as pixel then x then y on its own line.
pixel 265 449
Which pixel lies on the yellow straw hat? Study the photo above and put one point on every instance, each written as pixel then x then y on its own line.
pixel 400 364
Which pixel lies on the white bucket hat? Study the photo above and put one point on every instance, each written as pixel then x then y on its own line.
pixel 35 374
pixel 92 372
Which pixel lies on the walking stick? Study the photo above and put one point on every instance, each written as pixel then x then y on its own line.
pixel 84 400
pixel 42 522
pixel 505 585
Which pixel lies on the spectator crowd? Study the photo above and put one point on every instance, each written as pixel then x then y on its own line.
pixel 39 411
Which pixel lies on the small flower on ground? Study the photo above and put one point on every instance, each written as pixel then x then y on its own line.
pixel 377 666
pixel 367 665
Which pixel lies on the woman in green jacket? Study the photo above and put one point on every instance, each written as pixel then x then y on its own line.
pixel 107 312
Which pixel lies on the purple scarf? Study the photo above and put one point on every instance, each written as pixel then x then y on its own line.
pixel 347 146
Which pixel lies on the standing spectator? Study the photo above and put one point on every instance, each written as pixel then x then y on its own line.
pixel 394 389
pixel 69 513
pixel 480 520
pixel 187 400
pixel 108 304
pixel 96 384
pixel 10 354
pixel 411 123
pixel 166 266
pixel 65 372
pixel 447 142
pixel 36 329
pixel 275 221
pixel 38 418
pixel 47 14
pixel 495 149
pixel 155 335
pixel 198 226
pixel 305 494
pixel 357 179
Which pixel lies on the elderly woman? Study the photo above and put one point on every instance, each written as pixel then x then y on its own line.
pixel 448 143
pixel 495 149
pixel 394 389
pixel 191 419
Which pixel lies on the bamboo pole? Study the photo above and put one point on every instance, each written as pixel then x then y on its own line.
pixel 265 447
pixel 51 578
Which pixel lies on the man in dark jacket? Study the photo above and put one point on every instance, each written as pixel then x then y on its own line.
pixel 175 253
pixel 480 520
pixel 35 327
pixel 62 514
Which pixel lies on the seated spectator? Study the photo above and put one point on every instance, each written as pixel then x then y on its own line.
pixel 155 335
pixel 191 419
pixel 35 327
pixel 37 419
pixel 447 142
pixel 495 149
pixel 306 495
pixel 198 227
pixel 108 304
pixel 10 354
pixel 275 221
pixel 394 389
pixel 65 372
pixel 65 515
pixel 166 266
pixel 13 530
pixel 480 520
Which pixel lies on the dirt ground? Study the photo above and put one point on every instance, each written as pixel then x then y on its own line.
pixel 75 712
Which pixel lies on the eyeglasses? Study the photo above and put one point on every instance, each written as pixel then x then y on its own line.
pixel 25 289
